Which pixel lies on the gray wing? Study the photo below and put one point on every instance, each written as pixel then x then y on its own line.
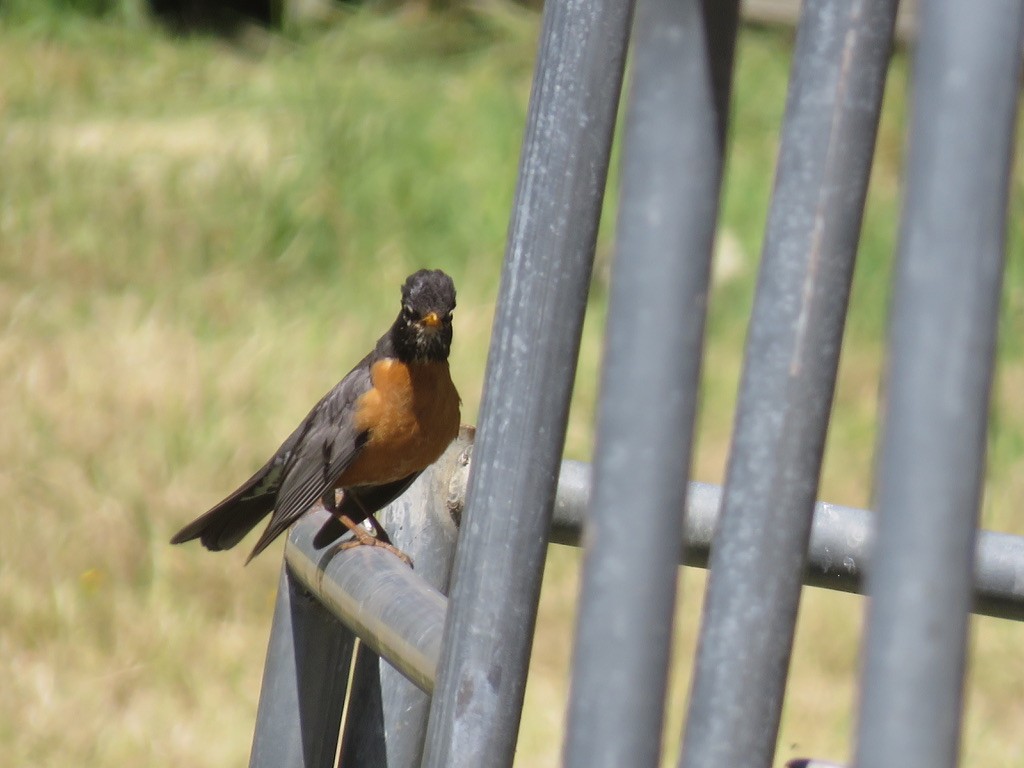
pixel 321 449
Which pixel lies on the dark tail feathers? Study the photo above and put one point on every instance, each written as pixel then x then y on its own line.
pixel 226 524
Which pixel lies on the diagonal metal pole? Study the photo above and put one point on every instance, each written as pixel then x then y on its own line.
pixel 942 336
pixel 474 716
pixel 304 681
pixel 758 554
pixel 387 712
pixel 671 174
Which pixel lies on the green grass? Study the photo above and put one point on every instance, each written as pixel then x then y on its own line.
pixel 198 238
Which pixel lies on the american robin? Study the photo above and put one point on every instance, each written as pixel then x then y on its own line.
pixel 390 418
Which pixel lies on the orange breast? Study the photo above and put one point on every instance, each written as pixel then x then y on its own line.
pixel 411 415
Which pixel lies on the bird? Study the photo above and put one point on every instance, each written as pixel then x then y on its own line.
pixel 369 437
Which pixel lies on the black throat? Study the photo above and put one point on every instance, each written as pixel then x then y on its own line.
pixel 411 344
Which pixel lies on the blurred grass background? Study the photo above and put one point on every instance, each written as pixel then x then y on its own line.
pixel 198 237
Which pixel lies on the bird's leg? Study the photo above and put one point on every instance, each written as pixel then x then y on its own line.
pixel 363 537
pixel 330 501
pixel 378 529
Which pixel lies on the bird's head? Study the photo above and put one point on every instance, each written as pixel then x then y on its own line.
pixel 423 330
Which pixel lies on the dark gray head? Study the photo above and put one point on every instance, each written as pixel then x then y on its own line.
pixel 423 330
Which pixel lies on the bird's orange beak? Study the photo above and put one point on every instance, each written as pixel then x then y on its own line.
pixel 431 320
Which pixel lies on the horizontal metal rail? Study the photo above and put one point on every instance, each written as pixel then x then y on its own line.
pixel 401 617
pixel 381 599
pixel 837 557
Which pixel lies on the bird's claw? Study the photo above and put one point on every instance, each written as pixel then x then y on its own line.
pixel 363 538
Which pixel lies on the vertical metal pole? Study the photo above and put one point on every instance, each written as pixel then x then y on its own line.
pixel 941 347
pixel 672 165
pixel 387 715
pixel 757 557
pixel 721 21
pixel 304 683
pixel 474 718
pixel 364 741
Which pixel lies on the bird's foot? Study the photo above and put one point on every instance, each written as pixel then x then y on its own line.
pixel 363 538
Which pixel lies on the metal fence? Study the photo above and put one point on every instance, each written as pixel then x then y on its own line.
pixel 452 692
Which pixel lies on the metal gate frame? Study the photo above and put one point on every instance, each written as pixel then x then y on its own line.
pixel 457 694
